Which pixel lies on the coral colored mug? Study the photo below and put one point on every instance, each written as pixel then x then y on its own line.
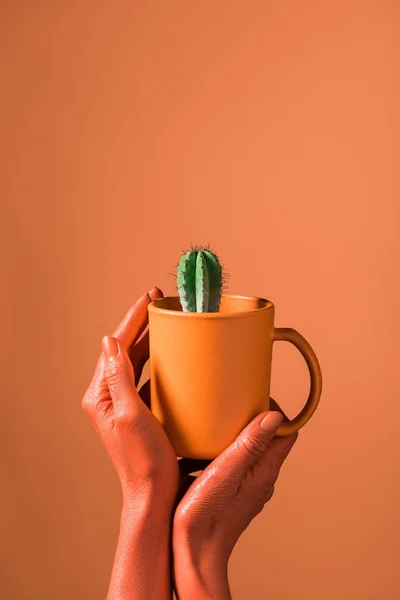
pixel 210 372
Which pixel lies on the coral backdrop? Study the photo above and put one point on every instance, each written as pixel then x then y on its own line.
pixel 268 129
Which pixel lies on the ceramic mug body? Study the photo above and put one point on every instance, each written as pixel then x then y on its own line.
pixel 210 373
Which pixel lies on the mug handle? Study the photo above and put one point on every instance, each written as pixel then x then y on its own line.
pixel 294 337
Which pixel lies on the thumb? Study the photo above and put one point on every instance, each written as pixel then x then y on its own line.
pixel 253 441
pixel 128 406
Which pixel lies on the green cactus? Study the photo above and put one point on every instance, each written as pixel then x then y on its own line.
pixel 200 280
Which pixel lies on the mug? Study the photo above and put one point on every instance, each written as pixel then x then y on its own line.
pixel 210 373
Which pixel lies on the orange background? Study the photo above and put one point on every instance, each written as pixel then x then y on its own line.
pixel 268 129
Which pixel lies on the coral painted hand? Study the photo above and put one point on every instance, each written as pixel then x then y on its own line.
pixel 143 458
pixel 134 439
pixel 220 504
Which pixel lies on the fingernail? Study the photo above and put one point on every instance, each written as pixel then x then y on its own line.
pixel 154 292
pixel 110 346
pixel 271 421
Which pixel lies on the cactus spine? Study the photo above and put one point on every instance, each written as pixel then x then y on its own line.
pixel 200 281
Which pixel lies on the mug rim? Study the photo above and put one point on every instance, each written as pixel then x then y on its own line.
pixel 152 307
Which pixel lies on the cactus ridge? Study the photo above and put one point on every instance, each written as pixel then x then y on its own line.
pixel 201 280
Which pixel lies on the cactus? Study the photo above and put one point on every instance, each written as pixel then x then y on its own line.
pixel 200 280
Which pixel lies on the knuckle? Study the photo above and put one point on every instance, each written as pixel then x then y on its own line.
pixel 252 446
pixel 151 471
pixel 124 418
pixel 117 385
pixel 270 477
pixel 182 517
pixel 191 520
pixel 114 372
pixel 118 376
pixel 269 493
pixel 86 403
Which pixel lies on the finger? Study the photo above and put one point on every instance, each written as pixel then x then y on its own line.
pixel 139 354
pixel 139 351
pixel 275 406
pixel 127 404
pixel 249 446
pixel 268 468
pixel 144 393
pixel 255 438
pixel 155 293
pixel 97 390
pixel 134 322
pixel 277 453
pixel 192 465
pixel 128 331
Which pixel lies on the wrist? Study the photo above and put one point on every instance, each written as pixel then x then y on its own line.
pixel 147 497
pixel 200 572
pixel 155 490
pixel 146 516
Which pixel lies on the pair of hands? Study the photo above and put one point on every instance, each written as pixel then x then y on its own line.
pixel 207 513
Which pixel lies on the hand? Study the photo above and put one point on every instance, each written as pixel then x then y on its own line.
pixel 134 439
pixel 220 504
pixel 143 458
